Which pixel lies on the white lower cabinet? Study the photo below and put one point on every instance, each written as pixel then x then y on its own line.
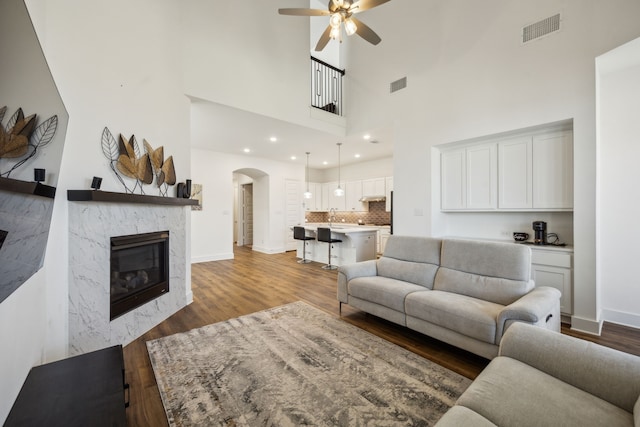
pixel 554 268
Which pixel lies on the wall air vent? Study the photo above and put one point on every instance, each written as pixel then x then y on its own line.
pixel 398 84
pixel 541 28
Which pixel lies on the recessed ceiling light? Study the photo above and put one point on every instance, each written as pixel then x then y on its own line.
pixel 247 150
pixel 357 156
pixel 273 139
pixel 293 157
pixel 367 136
pixel 325 163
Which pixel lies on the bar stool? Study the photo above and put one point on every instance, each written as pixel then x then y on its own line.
pixel 324 235
pixel 299 233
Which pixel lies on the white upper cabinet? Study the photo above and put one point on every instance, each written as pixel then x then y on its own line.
pixel 469 178
pixel 481 176
pixel 353 194
pixel 315 202
pixel 453 180
pixel 515 183
pixel 388 188
pixel 373 187
pixel 527 172
pixel 553 170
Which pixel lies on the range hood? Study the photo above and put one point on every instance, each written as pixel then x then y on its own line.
pixel 373 198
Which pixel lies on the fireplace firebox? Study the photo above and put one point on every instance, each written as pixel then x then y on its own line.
pixel 139 270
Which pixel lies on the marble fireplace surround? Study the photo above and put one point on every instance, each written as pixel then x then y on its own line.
pixel 91 225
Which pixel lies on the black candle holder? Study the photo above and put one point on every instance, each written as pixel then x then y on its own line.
pixel 96 182
pixel 39 175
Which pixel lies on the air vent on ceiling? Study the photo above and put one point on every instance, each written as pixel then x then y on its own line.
pixel 541 28
pixel 398 84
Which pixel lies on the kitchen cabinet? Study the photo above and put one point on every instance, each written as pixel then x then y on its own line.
pixel 353 194
pixel 553 170
pixel 531 172
pixel 388 188
pixel 315 202
pixel 330 200
pixel 515 178
pixel 553 267
pixel 469 178
pixel 383 236
pixel 373 187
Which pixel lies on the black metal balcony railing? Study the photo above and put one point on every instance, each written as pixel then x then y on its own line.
pixel 326 86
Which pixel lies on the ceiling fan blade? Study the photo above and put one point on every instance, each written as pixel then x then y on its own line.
pixel 363 5
pixel 303 12
pixel 365 32
pixel 324 39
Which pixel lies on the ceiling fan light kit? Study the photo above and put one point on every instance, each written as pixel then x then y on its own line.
pixel 340 14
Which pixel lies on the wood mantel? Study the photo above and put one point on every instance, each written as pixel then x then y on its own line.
pixel 110 197
pixel 26 187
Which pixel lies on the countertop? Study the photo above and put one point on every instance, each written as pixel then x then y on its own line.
pixel 557 248
pixel 342 228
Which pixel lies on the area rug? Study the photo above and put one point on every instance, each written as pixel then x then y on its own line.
pixel 296 365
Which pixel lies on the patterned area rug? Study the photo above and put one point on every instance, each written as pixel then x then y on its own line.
pixel 296 365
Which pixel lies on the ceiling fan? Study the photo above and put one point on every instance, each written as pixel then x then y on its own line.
pixel 341 13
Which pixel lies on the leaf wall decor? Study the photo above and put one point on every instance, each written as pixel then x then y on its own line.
pixel 126 160
pixel 22 136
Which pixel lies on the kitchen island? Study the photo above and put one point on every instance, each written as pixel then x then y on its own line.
pixel 358 244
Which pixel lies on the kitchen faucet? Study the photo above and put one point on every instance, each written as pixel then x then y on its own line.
pixel 332 216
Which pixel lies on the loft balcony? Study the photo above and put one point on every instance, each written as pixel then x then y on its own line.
pixel 326 87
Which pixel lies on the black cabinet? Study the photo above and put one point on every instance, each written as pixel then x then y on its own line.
pixel 85 390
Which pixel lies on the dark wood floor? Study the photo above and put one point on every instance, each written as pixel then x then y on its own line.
pixel 255 281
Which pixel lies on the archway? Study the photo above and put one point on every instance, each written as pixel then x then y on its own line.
pixel 250 205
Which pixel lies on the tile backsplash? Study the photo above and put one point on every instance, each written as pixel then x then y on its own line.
pixel 376 215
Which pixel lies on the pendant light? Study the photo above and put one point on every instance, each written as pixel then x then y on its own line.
pixel 307 194
pixel 338 192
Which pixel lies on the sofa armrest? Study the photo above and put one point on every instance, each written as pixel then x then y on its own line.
pixel 609 374
pixel 537 307
pixel 351 271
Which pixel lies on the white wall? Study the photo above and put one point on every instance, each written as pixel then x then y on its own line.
pixel 115 65
pixel 245 55
pixel 618 78
pixel 363 170
pixel 469 76
pixel 212 227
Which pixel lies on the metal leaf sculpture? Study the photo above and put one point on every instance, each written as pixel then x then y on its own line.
pixel 132 165
pixel 126 160
pixel 169 171
pixel 161 168
pixel 21 133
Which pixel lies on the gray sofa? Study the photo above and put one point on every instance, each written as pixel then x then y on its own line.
pixel 542 378
pixel 463 292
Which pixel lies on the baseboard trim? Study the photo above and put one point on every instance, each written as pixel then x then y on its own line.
pixel 588 326
pixel 207 258
pixel 621 318
pixel 268 251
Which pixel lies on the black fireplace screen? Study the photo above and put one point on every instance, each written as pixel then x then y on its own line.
pixel 139 270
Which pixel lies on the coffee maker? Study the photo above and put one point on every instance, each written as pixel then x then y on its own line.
pixel 540 233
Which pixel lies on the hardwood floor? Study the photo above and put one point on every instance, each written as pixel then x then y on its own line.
pixel 254 281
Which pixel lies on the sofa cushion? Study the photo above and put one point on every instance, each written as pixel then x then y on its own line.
pixel 495 289
pixel 511 393
pixel 415 249
pixel 496 272
pixel 636 413
pixel 460 416
pixel 414 272
pixel 469 316
pixel 383 290
pixel 507 260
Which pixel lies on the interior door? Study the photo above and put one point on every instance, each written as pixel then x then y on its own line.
pixel 247 213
